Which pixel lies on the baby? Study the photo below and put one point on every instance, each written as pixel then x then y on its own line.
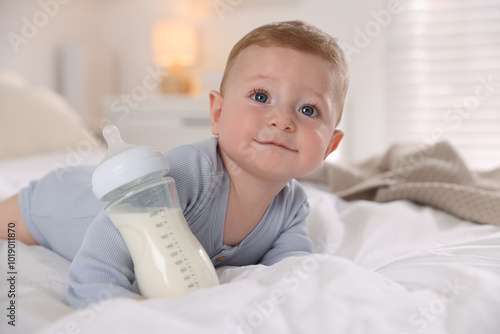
pixel 274 119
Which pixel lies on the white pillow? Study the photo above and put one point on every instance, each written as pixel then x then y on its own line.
pixel 35 120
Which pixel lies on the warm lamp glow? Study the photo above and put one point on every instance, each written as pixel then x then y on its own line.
pixel 174 43
pixel 175 47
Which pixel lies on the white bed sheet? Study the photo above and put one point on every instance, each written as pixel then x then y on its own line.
pixel 380 268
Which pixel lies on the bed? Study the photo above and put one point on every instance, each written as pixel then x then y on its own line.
pixel 380 266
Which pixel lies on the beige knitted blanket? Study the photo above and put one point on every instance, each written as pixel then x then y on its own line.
pixel 433 175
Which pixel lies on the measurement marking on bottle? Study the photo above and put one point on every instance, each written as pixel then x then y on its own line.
pixel 176 253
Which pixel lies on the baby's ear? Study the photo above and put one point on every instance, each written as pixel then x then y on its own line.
pixel 216 101
pixel 334 142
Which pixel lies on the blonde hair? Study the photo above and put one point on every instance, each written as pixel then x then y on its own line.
pixel 300 36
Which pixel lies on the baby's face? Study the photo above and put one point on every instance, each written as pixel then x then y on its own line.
pixel 277 116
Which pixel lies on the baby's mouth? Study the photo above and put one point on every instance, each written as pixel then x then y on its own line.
pixel 276 143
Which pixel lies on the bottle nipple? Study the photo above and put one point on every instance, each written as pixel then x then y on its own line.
pixel 115 142
pixel 124 163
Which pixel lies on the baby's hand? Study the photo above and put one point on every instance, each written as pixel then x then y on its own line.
pixel 140 298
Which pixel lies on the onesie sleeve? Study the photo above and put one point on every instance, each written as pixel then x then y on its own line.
pixel 102 268
pixel 293 239
pixel 194 169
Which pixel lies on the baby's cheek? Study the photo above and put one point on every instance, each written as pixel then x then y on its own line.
pixel 322 137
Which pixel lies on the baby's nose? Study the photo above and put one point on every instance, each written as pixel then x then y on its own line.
pixel 281 120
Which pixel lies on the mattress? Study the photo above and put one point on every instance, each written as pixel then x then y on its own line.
pixel 394 267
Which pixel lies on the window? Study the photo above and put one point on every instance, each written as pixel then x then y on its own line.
pixel 444 76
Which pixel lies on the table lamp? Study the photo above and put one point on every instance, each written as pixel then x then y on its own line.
pixel 175 48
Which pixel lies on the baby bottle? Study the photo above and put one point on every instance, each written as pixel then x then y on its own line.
pixel 142 203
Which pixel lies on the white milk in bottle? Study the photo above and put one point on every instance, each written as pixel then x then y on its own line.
pixel 160 256
pixel 168 259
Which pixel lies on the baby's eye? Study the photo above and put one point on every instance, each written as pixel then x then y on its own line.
pixel 308 111
pixel 260 97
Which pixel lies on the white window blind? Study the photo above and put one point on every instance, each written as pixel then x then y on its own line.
pixel 444 76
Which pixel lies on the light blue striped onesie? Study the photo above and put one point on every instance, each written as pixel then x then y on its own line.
pixel 67 218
